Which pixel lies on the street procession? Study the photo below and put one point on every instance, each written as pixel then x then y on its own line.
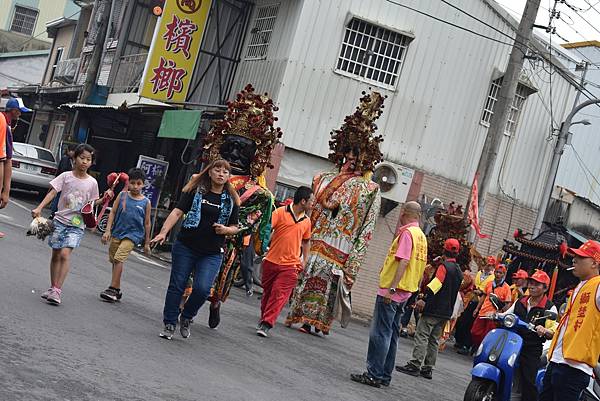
pixel 300 200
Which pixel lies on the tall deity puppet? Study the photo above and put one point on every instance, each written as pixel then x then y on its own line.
pixel 343 219
pixel 245 137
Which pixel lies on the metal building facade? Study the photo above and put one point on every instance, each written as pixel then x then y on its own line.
pixel 432 118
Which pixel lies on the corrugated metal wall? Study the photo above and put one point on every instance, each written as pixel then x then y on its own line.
pixel 432 120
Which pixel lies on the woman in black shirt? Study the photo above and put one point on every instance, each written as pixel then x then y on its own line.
pixel 210 206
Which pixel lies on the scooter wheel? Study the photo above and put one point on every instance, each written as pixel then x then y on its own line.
pixel 480 390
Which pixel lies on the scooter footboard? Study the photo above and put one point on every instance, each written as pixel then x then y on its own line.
pixel 486 371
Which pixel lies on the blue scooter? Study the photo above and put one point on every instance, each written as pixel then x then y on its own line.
pixel 497 358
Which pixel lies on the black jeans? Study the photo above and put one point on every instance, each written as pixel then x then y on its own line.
pixel 529 362
pixel 464 323
pixel 409 310
pixel 247 265
pixel 563 383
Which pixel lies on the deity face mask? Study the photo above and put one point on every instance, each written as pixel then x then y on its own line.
pixel 239 152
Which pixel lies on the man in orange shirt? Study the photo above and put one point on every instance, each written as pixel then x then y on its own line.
pixel 483 326
pixel 291 232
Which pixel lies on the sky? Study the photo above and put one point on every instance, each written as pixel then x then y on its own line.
pixel 572 25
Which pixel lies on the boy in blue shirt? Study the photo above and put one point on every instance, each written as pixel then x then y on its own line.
pixel 128 225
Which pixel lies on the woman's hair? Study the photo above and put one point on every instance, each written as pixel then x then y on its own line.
pixel 84 147
pixel 202 181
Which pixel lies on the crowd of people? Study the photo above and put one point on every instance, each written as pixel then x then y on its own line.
pixel 314 248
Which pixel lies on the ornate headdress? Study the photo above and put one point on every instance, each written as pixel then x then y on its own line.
pixel 357 132
pixel 251 116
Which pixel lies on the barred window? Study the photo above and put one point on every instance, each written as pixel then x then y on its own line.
pixel 24 20
pixel 372 53
pixel 261 33
pixel 515 109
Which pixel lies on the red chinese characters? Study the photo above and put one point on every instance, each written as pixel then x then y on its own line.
pixel 179 36
pixel 585 299
pixel 167 77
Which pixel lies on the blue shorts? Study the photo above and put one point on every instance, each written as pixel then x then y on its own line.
pixel 65 236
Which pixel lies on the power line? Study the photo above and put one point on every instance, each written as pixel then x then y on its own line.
pixel 586 171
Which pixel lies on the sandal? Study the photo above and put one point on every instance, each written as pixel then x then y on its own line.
pixel 365 378
pixel 306 329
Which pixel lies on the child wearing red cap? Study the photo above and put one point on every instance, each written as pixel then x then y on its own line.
pixel 436 304
pixel 575 350
pixel 483 326
pixel 520 284
pixel 531 308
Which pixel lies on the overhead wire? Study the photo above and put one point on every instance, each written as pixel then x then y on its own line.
pixel 586 171
pixel 44 31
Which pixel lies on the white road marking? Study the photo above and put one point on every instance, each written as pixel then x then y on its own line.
pixel 19 205
pixel 5 217
pixel 148 260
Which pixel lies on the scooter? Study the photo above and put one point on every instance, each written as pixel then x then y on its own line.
pixel 497 358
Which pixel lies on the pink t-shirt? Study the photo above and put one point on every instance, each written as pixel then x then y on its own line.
pixel 404 251
pixel 75 192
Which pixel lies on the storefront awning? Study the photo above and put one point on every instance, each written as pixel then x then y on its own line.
pixel 120 101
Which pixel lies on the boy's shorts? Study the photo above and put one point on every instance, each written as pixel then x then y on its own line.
pixel 119 249
pixel 65 236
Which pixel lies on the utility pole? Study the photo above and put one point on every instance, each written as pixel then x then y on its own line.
pixel 104 8
pixel 558 151
pixel 493 140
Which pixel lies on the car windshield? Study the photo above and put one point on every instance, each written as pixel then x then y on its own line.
pixel 43 154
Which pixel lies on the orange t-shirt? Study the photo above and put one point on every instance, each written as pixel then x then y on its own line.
pixel 286 240
pixel 503 293
pixel 2 137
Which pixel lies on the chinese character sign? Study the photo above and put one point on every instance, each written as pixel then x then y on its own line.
pixel 156 172
pixel 174 50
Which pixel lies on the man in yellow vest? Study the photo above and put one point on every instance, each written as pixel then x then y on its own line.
pixel 575 350
pixel 398 279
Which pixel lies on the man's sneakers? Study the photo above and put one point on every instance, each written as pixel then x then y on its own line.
pixel 184 327
pixel 366 378
pixel 168 332
pixel 404 333
pixel 412 370
pixel 46 293
pixel 214 316
pixel 111 294
pixel 409 369
pixel 53 297
pixel 263 329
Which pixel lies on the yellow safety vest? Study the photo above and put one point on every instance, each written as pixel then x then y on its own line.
pixel 581 341
pixel 416 266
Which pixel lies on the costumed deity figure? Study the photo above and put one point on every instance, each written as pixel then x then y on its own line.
pixel 245 137
pixel 343 219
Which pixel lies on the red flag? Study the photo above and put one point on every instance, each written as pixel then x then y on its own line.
pixel 474 209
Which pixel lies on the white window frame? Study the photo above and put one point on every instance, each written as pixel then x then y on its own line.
pixel 16 10
pixel 383 51
pixel 57 58
pixel 515 109
pixel 261 34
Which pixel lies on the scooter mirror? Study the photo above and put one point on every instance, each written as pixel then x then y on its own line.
pixel 496 302
pixel 563 309
pixel 550 315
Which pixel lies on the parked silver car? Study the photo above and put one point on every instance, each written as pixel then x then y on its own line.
pixel 33 167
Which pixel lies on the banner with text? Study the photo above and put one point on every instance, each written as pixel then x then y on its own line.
pixel 174 51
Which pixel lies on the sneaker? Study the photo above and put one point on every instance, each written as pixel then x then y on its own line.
pixel 111 295
pixel 404 333
pixel 46 293
pixel 249 293
pixel 168 331
pixel 365 378
pixel 409 369
pixel 463 350
pixel 263 330
pixel 54 297
pixel 427 374
pixel 184 327
pixel 214 316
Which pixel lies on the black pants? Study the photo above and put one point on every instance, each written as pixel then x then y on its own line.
pixel 563 383
pixel 464 323
pixel 247 265
pixel 409 310
pixel 529 362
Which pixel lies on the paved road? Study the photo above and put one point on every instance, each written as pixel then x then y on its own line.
pixel 90 350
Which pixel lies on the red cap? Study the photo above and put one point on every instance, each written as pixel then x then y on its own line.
pixel 491 260
pixel 541 277
pixel 590 249
pixel 521 274
pixel 452 245
pixel 501 268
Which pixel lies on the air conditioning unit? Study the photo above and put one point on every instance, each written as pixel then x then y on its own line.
pixel 394 180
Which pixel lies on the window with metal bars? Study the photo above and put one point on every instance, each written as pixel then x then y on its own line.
pixel 260 35
pixel 24 20
pixel 372 53
pixel 515 108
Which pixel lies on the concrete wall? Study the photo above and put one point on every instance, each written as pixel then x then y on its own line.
pixel 48 10
pixel 64 38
